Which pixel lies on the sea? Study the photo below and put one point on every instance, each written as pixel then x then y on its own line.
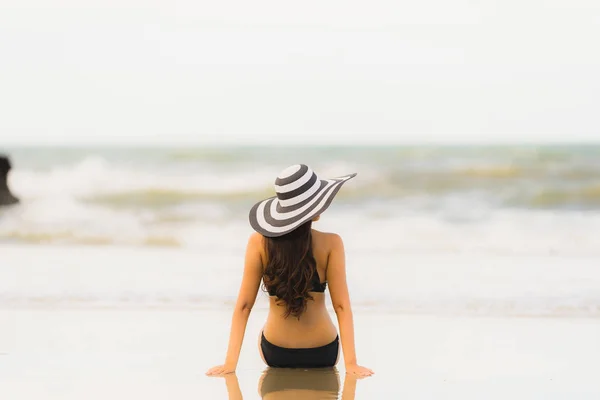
pixel 511 230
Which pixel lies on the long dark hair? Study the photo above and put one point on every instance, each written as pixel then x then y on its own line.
pixel 290 268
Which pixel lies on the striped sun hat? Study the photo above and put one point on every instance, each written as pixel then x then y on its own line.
pixel 301 196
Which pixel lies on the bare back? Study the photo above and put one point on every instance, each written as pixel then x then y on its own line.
pixel 315 327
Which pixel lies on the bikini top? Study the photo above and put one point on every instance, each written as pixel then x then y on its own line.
pixel 317 286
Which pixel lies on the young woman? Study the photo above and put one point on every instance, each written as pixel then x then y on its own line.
pixel 296 264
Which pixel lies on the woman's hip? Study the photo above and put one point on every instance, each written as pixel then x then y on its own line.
pixel 310 357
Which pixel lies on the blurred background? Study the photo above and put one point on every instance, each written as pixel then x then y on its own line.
pixel 522 200
pixel 141 133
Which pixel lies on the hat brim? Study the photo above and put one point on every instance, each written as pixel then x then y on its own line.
pixel 269 218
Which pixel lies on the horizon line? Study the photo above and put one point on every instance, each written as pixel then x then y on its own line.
pixel 242 144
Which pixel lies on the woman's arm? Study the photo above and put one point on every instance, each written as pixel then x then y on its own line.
pixel 245 302
pixel 338 287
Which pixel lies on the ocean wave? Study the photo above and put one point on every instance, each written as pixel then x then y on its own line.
pixel 579 197
pixel 534 197
pixel 515 201
pixel 80 238
pixel 97 180
pixel 157 198
pixel 206 155
pixel 383 229
pixel 491 172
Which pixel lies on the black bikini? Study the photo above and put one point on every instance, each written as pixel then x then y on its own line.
pixel 314 357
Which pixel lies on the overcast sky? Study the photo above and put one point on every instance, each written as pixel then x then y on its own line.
pixel 281 71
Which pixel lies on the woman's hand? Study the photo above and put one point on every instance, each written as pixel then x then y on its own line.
pixel 220 370
pixel 358 371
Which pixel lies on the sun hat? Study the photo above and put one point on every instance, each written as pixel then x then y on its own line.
pixel 301 196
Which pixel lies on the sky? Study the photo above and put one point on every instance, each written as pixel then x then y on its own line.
pixel 334 72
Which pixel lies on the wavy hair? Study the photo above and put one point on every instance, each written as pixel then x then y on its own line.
pixel 290 269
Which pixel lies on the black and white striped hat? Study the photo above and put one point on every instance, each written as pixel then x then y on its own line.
pixel 301 196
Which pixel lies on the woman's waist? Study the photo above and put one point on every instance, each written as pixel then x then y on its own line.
pixel 311 330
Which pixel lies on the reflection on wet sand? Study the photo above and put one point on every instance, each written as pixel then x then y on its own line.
pixel 289 383
pixel 285 383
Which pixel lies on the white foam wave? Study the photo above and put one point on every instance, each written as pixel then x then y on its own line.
pixel 97 201
pixel 377 227
pixel 95 175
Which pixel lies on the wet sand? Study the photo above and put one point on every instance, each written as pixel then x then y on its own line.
pixel 163 354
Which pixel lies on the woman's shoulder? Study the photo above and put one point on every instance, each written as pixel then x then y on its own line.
pixel 329 239
pixel 256 245
pixel 256 239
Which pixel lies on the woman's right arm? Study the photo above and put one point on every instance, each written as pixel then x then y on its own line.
pixel 338 288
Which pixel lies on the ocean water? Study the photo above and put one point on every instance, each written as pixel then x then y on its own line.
pixel 500 199
pixel 510 230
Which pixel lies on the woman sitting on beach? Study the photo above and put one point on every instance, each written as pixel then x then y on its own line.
pixel 296 264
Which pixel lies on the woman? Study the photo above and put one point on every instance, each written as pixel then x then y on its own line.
pixel 296 264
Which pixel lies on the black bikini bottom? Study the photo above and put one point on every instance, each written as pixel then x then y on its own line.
pixel 314 357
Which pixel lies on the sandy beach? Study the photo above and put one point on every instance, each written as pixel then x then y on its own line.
pixel 472 272
pixel 121 323
pixel 158 354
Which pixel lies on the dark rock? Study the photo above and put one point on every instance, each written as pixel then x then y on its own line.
pixel 6 197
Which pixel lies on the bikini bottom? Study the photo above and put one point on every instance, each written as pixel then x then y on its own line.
pixel 314 357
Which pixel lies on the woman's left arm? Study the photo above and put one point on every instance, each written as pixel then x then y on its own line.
pixel 253 271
